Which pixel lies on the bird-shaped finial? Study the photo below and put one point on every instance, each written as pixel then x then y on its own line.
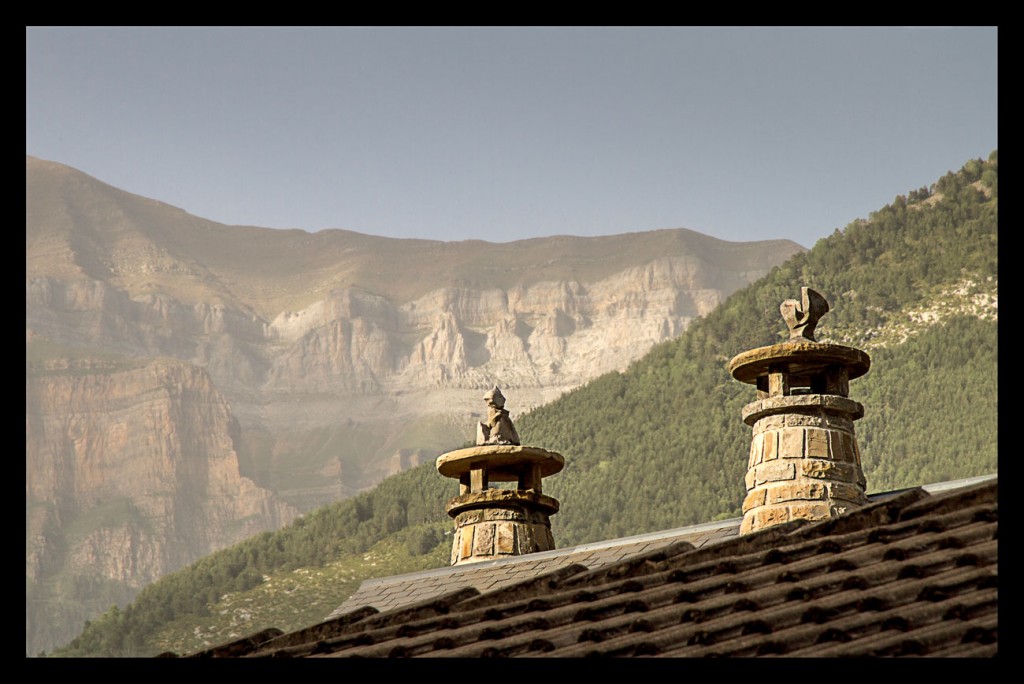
pixel 802 317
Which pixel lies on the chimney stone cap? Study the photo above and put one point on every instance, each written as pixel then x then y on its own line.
pixel 503 461
pixel 800 358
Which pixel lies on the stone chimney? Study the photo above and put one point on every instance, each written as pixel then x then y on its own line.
pixel 498 523
pixel 804 460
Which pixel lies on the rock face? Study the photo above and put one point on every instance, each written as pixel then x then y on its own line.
pixel 131 472
pixel 191 383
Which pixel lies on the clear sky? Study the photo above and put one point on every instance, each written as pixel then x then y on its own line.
pixel 502 134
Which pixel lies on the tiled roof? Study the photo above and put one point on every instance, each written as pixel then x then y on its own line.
pixel 387 593
pixel 913 574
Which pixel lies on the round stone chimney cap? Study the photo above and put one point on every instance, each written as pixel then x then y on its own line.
pixel 503 461
pixel 800 358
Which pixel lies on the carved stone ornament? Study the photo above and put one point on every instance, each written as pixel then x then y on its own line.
pixel 498 428
pixel 802 317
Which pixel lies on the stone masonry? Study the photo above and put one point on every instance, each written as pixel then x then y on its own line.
pixel 804 461
pixel 493 523
pixel 501 523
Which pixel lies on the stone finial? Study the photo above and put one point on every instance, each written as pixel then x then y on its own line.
pixel 498 428
pixel 802 317
pixel 499 522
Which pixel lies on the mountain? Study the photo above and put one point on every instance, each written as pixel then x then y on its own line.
pixel 661 444
pixel 189 384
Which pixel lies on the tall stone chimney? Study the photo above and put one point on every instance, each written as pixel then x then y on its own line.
pixel 495 523
pixel 804 459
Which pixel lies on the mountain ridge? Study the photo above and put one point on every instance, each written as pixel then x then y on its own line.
pixel 661 444
pixel 341 357
pixel 358 255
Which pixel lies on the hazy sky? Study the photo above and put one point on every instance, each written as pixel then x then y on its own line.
pixel 501 134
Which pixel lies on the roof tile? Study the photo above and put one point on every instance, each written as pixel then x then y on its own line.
pixel 914 574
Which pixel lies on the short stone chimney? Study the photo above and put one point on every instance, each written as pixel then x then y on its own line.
pixel 498 523
pixel 804 459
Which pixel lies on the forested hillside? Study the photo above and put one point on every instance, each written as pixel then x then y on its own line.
pixel 662 444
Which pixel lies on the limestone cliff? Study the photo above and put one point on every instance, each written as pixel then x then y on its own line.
pixel 131 472
pixel 191 383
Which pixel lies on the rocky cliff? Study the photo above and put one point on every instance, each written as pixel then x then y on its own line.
pixel 131 471
pixel 191 383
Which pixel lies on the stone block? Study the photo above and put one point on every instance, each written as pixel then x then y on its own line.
pixel 747 525
pixel 478 479
pixel 804 420
pixel 846 491
pixel 791 443
pixel 753 499
pixel 504 513
pixel 778 383
pixel 816 443
pixel 466 542
pixel 526 540
pixel 750 479
pixel 756 448
pixel 799 491
pixel 764 517
pixel 776 422
pixel 771 445
pixel 483 540
pixel 810 511
pixel 549 540
pixel 506 538
pixel 469 517
pixel 837 379
pixel 456 547
pixel 774 471
pixel 838 421
pixel 538 518
pixel 837 446
pixel 827 470
pixel 853 452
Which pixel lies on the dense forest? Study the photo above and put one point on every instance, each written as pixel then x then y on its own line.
pixel 662 444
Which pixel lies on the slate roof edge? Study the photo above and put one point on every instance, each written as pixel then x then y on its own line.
pixel 561 552
pixel 957 484
pixel 937 487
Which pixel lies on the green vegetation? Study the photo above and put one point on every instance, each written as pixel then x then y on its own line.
pixel 931 407
pixel 303 596
pixel 408 508
pixel 662 445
